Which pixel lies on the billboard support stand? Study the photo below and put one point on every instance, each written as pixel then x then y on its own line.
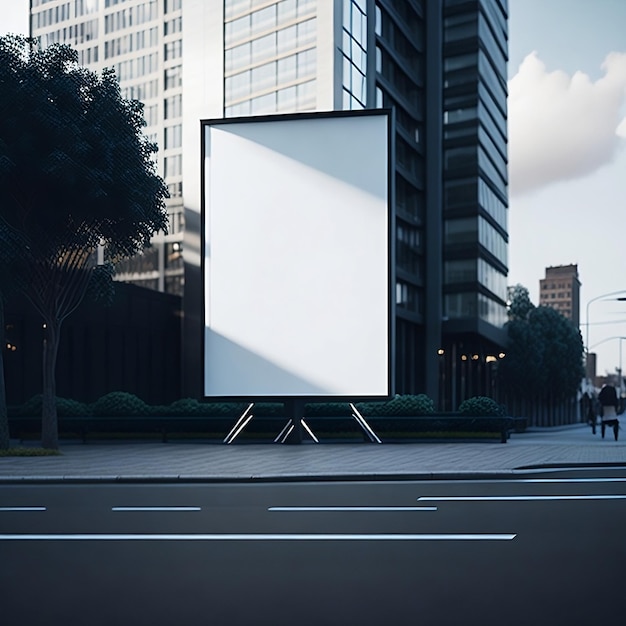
pixel 240 424
pixel 373 437
pixel 293 431
pixel 294 408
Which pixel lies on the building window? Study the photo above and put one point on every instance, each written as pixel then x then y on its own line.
pixel 406 297
pixel 462 271
pixel 457 305
pixel 175 191
pixel 150 114
pixel 173 77
pixel 173 165
pixel 461 231
pixel 173 26
pixel 173 136
pixel 172 5
pixel 173 106
pixel 354 48
pixel 173 49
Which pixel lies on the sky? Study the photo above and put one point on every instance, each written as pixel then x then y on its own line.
pixel 567 154
pixel 567 157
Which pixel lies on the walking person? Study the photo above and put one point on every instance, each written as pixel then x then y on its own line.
pixel 609 405
pixel 588 409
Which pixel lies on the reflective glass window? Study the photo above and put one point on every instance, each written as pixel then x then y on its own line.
pixel 286 39
pixel 287 69
pixel 264 48
pixel 460 271
pixel 237 58
pixel 460 231
pixel 263 77
pixel 286 10
pixel 286 99
pixel 263 104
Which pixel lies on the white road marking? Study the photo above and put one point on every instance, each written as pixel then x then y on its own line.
pixel 156 508
pixel 351 508
pixel 22 508
pixel 256 537
pixel 571 480
pixel 507 498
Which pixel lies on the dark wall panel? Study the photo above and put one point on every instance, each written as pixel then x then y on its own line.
pixel 133 346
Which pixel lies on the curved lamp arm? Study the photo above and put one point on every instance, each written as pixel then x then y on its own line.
pixel 604 295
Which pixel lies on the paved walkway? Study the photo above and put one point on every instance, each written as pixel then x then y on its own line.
pixel 142 460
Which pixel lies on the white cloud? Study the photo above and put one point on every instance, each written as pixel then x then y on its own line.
pixel 563 127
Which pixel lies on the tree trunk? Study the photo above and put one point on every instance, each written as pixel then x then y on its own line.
pixel 49 422
pixel 4 419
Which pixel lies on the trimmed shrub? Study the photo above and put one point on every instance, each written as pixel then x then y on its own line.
pixel 400 406
pixel 221 409
pixel 185 407
pixel 190 407
pixel 72 408
pixel 268 409
pixel 65 408
pixel 32 407
pixel 120 404
pixel 481 406
pixel 328 409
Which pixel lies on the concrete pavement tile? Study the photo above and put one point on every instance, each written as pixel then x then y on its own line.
pixel 193 461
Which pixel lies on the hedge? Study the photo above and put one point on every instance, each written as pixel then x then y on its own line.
pixel 124 404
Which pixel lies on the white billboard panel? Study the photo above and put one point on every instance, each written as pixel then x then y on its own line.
pixel 297 256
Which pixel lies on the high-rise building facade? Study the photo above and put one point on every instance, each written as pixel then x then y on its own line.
pixel 142 41
pixel 439 64
pixel 560 290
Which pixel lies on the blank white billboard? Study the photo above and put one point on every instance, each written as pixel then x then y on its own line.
pixel 296 262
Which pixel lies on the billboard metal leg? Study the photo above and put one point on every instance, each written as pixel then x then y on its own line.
pixel 374 438
pixel 284 433
pixel 308 430
pixel 240 424
pixel 293 431
pixel 294 408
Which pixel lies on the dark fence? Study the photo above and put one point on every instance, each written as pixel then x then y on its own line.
pixel 544 412
pixel 132 345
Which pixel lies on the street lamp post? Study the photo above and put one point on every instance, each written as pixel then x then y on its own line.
pixel 621 384
pixel 621 377
pixel 604 296
pixel 601 297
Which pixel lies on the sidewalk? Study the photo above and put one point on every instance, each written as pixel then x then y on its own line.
pixel 570 446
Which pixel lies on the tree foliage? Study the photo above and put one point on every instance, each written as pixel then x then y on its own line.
pixel 544 358
pixel 76 172
pixel 520 305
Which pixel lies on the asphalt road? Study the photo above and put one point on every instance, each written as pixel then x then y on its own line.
pixel 548 549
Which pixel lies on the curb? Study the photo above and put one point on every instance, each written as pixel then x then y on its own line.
pixel 295 478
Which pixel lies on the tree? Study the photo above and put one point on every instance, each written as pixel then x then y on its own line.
pixel 76 173
pixel 544 359
pixel 520 305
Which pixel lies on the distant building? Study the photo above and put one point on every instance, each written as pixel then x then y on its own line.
pixel 560 289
